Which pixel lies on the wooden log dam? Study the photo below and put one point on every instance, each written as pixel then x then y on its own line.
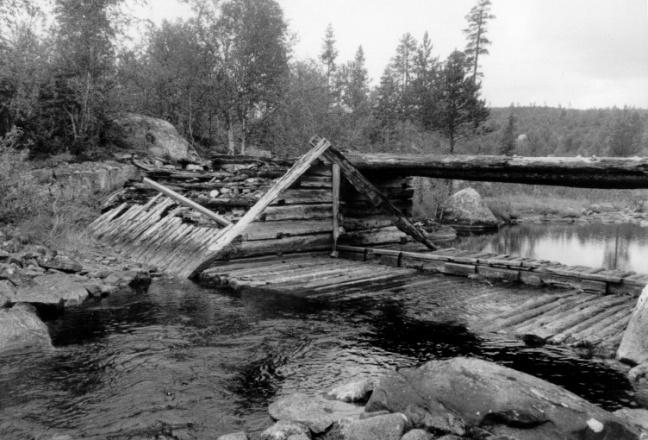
pixel 339 223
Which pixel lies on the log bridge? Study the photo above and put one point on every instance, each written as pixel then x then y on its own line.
pixel 333 220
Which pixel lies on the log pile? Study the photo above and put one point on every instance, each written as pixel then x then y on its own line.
pixel 298 220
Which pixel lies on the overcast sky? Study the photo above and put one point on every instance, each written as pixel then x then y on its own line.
pixel 576 53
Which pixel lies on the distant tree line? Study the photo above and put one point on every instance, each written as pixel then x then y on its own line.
pixel 226 79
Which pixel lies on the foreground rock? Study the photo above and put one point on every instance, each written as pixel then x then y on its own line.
pixel 21 328
pixel 357 391
pixel 634 344
pixel 636 417
pixel 316 413
pixel 461 395
pixel 466 208
pixel 150 136
pixel 638 378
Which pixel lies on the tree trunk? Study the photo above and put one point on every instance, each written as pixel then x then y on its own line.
pixel 243 135
pixel 231 146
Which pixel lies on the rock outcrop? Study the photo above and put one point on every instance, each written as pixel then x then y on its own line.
pixel 151 137
pixel 21 328
pixel 467 208
pixel 460 395
pixel 634 344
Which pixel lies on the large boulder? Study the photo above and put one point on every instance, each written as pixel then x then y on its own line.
pixel 467 208
pixel 315 412
pixel 50 289
pixel 21 328
pixel 150 136
pixel 634 344
pixel 484 395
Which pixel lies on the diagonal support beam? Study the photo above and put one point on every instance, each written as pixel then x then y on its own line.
pixel 229 234
pixel 364 186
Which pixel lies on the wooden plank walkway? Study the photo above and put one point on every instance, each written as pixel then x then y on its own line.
pixel 555 316
pixel 301 275
pixel 505 268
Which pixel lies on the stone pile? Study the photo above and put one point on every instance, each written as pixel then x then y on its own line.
pixel 35 278
pixel 460 398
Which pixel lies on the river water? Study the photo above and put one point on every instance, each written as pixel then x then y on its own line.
pixel 611 246
pixel 187 362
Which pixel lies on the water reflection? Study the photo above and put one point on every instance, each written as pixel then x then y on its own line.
pixel 622 246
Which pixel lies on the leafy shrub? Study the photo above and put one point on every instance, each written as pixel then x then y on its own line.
pixel 20 195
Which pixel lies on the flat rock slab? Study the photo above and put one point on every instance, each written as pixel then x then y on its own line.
pixel 21 328
pixel 51 289
pixel 315 412
pixel 502 400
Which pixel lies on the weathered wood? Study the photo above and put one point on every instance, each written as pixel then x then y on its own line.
pixel 185 201
pixel 335 206
pixel 290 228
pixel 583 172
pixel 296 212
pixel 365 187
pixel 296 171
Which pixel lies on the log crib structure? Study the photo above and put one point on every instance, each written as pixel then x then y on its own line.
pixel 335 221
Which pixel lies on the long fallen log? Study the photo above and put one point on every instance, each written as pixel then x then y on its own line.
pixel 582 172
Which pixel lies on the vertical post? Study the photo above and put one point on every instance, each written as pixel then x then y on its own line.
pixel 335 198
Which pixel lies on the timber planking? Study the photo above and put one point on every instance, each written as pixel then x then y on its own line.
pixel 505 268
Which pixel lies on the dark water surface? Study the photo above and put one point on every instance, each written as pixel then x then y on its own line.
pixel 192 363
pixel 611 246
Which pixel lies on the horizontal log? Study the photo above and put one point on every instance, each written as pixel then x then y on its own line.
pixel 305 243
pixel 287 228
pixel 296 212
pixel 582 172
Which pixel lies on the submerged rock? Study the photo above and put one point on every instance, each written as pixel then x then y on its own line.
pixel 20 327
pixel 467 208
pixel 503 401
pixel 315 412
pixel 634 344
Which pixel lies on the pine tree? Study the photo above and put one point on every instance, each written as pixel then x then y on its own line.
pixel 458 104
pixel 476 34
pixel 403 62
pixel 424 83
pixel 328 56
pixel 507 146
pixel 356 83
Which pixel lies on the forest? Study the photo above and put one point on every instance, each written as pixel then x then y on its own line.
pixel 226 78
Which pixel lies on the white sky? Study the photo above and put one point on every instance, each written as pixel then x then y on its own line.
pixel 576 53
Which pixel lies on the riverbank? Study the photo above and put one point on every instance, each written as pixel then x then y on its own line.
pixel 38 283
pixel 514 209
